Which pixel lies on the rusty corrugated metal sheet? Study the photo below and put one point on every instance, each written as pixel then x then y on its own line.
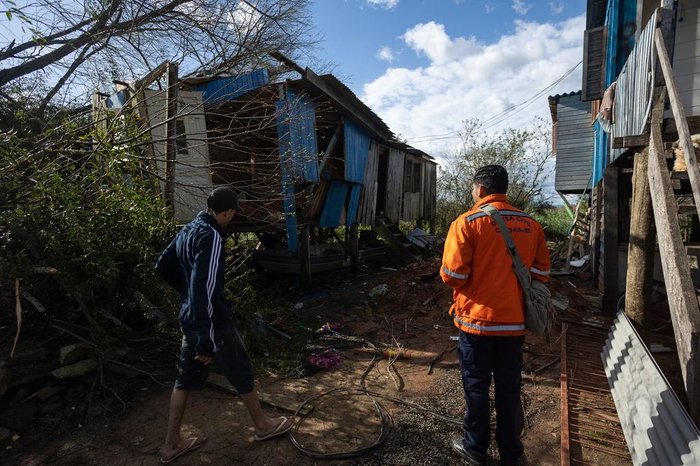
pixel 657 427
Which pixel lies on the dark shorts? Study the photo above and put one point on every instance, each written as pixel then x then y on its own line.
pixel 231 358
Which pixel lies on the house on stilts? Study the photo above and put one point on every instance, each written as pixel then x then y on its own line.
pixel 321 176
pixel 634 158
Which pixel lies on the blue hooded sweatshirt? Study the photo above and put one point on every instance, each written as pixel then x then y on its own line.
pixel 194 265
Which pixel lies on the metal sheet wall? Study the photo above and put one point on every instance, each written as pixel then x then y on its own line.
pixel 657 427
pixel 356 149
pixel 635 86
pixel 394 184
pixel 296 120
pixel 353 203
pixel 333 213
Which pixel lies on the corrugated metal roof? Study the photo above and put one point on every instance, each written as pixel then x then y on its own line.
pixel 657 427
pixel 231 87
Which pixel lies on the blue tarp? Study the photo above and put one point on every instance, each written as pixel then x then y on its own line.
pixel 600 153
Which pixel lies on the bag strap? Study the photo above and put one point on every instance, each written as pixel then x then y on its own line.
pixel 521 271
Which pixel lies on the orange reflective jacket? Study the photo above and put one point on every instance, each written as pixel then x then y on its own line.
pixel 488 299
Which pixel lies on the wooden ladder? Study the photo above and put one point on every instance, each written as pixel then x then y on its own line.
pixel 682 299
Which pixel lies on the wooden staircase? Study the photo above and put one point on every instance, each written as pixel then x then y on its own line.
pixel 393 235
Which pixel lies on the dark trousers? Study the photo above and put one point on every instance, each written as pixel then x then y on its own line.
pixel 479 357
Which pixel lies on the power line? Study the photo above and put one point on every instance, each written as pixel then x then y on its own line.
pixel 501 116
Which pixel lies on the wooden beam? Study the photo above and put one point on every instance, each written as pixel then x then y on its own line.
pixel 627 142
pixel 611 287
pixel 564 398
pixel 685 143
pixel 329 148
pixel 640 255
pixel 305 256
pixel 354 247
pixel 171 135
pixel 682 300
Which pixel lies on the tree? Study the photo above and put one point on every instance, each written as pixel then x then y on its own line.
pixel 80 46
pixel 525 153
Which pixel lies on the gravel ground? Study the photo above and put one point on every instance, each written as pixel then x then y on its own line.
pixel 420 438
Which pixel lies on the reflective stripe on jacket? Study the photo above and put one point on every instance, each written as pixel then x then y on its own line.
pixel 487 297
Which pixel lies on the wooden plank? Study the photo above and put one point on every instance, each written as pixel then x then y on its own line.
pixel 171 135
pixel 624 142
pixel 685 143
pixel 564 396
pixel 394 184
pixel 610 264
pixel 305 256
pixel 683 303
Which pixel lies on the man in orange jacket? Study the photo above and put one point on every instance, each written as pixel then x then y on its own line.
pixel 488 309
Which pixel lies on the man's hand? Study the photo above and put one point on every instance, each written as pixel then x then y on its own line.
pixel 206 360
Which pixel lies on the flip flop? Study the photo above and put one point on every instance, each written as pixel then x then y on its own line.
pixel 193 445
pixel 283 427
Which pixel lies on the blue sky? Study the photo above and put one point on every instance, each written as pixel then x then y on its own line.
pixel 427 65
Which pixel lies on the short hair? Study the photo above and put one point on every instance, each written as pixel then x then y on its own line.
pixel 492 177
pixel 222 199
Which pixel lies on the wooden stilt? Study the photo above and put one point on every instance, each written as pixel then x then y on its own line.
pixel 640 257
pixel 611 286
pixel 305 256
pixel 354 247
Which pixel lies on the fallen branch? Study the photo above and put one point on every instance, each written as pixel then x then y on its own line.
pixel 546 366
pixel 436 295
pixel 438 357
pixel 34 302
pixel 18 314
pixel 146 306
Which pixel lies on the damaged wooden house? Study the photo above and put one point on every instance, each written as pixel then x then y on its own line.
pixel 305 153
pixel 641 99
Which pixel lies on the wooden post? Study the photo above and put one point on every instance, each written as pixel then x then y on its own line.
pixel 682 300
pixel 611 287
pixel 640 256
pixel 354 247
pixel 171 135
pixel 305 256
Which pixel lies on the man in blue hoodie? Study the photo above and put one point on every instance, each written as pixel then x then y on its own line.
pixel 193 264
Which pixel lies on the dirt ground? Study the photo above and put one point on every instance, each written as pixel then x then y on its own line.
pixel 420 409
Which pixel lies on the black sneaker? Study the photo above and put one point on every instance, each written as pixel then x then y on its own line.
pixel 470 457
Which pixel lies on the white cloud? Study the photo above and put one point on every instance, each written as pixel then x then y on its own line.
pixel 557 8
pixel 489 8
pixel 386 54
pixel 431 40
pixel 521 7
pixel 388 4
pixel 466 79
